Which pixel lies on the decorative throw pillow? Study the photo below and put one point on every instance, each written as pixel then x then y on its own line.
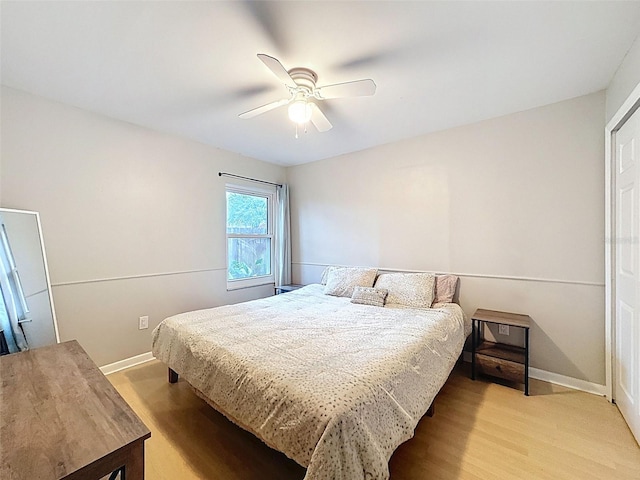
pixel 408 289
pixel 342 281
pixel 369 296
pixel 445 288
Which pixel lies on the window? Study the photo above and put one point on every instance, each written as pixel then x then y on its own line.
pixel 249 237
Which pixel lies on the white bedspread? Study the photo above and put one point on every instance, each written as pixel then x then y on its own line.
pixel 335 386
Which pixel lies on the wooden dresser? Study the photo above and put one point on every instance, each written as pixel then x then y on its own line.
pixel 60 418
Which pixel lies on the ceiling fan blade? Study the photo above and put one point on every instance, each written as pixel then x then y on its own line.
pixel 279 71
pixel 318 119
pixel 264 108
pixel 359 88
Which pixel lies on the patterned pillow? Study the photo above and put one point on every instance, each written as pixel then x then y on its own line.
pixel 342 281
pixel 369 296
pixel 408 289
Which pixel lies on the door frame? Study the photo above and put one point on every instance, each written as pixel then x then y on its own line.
pixel 631 104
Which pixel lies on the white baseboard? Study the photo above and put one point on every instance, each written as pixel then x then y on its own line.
pixel 565 381
pixel 126 363
pixel 556 378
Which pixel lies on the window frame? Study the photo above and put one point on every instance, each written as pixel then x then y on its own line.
pixel 239 283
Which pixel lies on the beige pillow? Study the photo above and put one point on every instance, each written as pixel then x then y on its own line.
pixel 445 288
pixel 408 289
pixel 369 296
pixel 342 281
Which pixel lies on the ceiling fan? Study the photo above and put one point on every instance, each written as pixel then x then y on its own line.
pixel 303 94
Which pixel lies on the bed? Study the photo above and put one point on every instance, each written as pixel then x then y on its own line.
pixel 336 386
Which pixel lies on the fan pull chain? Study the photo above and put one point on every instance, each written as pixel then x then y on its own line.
pixel 305 129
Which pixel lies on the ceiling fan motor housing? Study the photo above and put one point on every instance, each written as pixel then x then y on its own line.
pixel 304 78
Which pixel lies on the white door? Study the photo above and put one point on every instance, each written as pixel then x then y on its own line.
pixel 627 277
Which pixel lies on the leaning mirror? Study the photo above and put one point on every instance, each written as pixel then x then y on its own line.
pixel 27 316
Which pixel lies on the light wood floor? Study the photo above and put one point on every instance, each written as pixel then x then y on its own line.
pixel 480 431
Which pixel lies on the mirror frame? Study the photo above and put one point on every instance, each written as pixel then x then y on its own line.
pixel 46 265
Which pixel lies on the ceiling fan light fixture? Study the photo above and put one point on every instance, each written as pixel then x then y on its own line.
pixel 300 112
pixel 301 85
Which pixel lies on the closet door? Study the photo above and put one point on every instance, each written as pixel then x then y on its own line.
pixel 627 273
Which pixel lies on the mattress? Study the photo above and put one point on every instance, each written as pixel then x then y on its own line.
pixel 333 385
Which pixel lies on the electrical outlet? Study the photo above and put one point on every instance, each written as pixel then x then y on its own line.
pixel 503 329
pixel 143 322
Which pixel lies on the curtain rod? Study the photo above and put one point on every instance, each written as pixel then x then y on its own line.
pixel 220 174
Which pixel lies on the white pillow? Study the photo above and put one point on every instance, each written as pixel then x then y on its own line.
pixel 342 281
pixel 408 289
pixel 325 274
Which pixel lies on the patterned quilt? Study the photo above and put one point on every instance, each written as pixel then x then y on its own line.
pixel 333 385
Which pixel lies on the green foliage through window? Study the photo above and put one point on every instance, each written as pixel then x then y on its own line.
pixel 246 214
pixel 249 257
pixel 248 236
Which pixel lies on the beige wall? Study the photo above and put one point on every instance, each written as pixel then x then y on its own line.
pixel 514 204
pixel 117 200
pixel 625 80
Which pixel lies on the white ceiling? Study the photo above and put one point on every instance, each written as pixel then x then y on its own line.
pixel 190 68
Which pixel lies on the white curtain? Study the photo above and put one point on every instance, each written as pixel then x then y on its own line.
pixel 283 237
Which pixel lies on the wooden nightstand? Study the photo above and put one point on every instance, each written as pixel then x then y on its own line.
pixel 287 288
pixel 510 362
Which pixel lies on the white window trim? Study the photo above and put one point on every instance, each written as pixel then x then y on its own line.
pixel 240 283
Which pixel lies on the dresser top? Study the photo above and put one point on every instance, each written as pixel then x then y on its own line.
pixel 59 413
